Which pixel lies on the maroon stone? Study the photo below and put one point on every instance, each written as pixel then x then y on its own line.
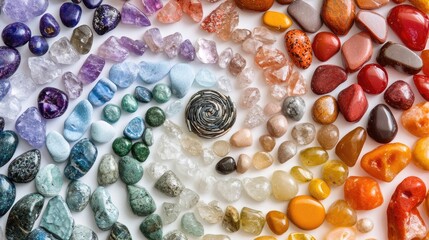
pixel 52 102
pixel 399 95
pixel 382 126
pixel 422 85
pixel 325 45
pixel 326 78
pixel 373 78
pixel 352 103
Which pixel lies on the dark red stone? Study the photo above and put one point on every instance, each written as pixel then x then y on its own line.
pixel 399 95
pixel 382 126
pixel 326 78
pixel 325 45
pixel 52 102
pixel 422 85
pixel 352 103
pixel 373 78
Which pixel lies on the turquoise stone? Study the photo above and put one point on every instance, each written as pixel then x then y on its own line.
pixel 7 194
pixel 57 146
pixel 108 170
pixel 23 215
pixel 129 103
pixel 130 170
pixel 135 128
pixel 142 94
pixel 40 234
pixel 105 212
pixel 205 78
pixel 148 136
pixel 77 197
pixel 49 180
pixel 140 151
pixel 141 201
pixel 181 78
pixel 24 168
pixel 101 131
pixel 120 232
pixel 151 227
pixel 82 156
pixel 151 72
pixel 123 74
pixel 161 93
pixel 78 121
pixel 8 144
pixel 111 113
pixel 102 92
pixel 83 233
pixel 155 117
pixel 191 225
pixel 175 235
pixel 57 218
pixel 122 146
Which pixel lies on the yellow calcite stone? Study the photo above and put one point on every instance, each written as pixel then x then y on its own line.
pixel 276 21
pixel 319 189
pixel 262 160
pixel 421 4
pixel 300 236
pixel 421 153
pixel 266 238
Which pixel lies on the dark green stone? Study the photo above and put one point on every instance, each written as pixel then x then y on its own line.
pixel 155 116
pixel 120 232
pixel 129 103
pixel 140 151
pixel 122 146
pixel 111 113
pixel 141 201
pixel 161 93
pixel 130 170
pixel 148 136
pixel 8 144
pixel 151 227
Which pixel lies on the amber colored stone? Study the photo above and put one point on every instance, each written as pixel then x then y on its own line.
pixel 386 161
pixel 425 58
pixel 262 160
pixel 252 221
pixel 319 189
pixel 342 233
pixel 297 85
pixel 299 48
pixel 339 15
pixel 300 236
pixel 341 214
pixel 231 219
pixel 398 1
pixel 362 193
pixel 301 174
pixel 371 4
pixel 306 212
pixel 260 5
pixel 328 136
pixel 277 222
pixel 278 75
pixel 325 45
pixel 416 119
pixel 325 110
pixel 423 5
pixel 265 238
pixel 313 156
pixel 357 51
pixel 267 142
pixel 421 153
pixel 193 8
pixel 276 21
pixel 335 173
pixel 267 57
pixel 350 146
pixel 352 103
pixel 399 95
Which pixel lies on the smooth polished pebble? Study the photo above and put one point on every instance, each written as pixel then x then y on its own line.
pixel 120 232
pixel 258 188
pixel 303 133
pixel 277 222
pixel 70 14
pixel 226 166
pixel 286 151
pixel 267 142
pixel 262 160
pixel 205 78
pixel 373 23
pixel 313 156
pixel 111 113
pixel 244 162
pixel 338 15
pixel 325 45
pixel 325 110
pixel 352 103
pixel 301 174
pixel 221 148
pixel 105 212
pixel 101 131
pixel 57 218
pixel 252 221
pixel 373 78
pixel 319 189
pixel 39 233
pixel 299 48
pixel 175 235
pixel 129 103
pixel 181 78
pixel 102 92
pixel 155 116
pixel 276 21
pixel 151 227
pixel 82 156
pixel 135 128
pixel 230 189
pixel 305 16
pixel 328 136
pixel 242 138
pixel 326 78
pixel 106 18
pixel 143 94
pixel 77 196
pixel 123 74
pixel 121 146
pixel 371 4
pixel 57 146
pixel 382 126
pixel 140 151
pixel 341 214
pixel 151 72
pixel 335 173
pixel 231 219
pixel 24 168
pixel 81 232
pixel 108 170
pixel 130 170
pixel 7 194
pixel 49 180
pixel 31 126
pixel 141 202
pixel 399 57
pixel 356 51
pixel 277 125
pixel 293 107
pixel 78 121
pixel 215 237
pixel 345 233
pixel 8 143
pixel 82 39
pixel 306 212
pixel 350 146
pixel 161 93
pixel 284 186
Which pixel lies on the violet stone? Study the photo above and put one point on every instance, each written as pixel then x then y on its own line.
pixel 172 43
pixel 133 16
pixel 52 102
pixel 91 69
pixel 70 14
pixel 112 50
pixel 16 34
pixel 9 61
pixel 154 40
pixel 137 47
pixel 31 127
pixel 24 10
pixel 151 6
pixel 49 26
pixel 106 18
pixel 72 85
pixel 4 88
pixel 187 51
pixel 92 4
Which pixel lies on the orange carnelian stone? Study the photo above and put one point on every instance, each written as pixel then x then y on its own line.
pixel 416 119
pixel 362 193
pixel 425 59
pixel 386 161
pixel 278 222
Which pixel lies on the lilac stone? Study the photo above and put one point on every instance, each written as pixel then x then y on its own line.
pixel 9 61
pixel 134 16
pixel 187 51
pixel 31 127
pixel 151 6
pixel 106 18
pixel 73 85
pixel 137 47
pixel 112 50
pixel 24 10
pixel 207 51
pixel 154 40
pixel 172 43
pixel 4 88
pixel 91 69
pixel 52 102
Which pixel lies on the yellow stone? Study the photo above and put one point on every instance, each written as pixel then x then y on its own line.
pixel 306 212
pixel 221 148
pixel 300 236
pixel 301 174
pixel 252 221
pixel 319 189
pixel 421 153
pixel 421 4
pixel 262 160
pixel 277 21
pixel 266 238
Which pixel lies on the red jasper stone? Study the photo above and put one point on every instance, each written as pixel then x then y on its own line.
pixel 373 78
pixel 422 85
pixel 326 78
pixel 411 25
pixel 325 45
pixel 425 60
pixel 352 103
pixel 399 95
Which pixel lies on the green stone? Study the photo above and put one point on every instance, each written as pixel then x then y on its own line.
pixel 57 218
pixel 111 113
pixel 252 221
pixel 148 136
pixel 108 172
pixel 141 201
pixel 191 225
pixel 151 227
pixel 129 103
pixel 122 146
pixel 130 170
pixel 120 232
pixel 161 93
pixel 140 151
pixel 155 116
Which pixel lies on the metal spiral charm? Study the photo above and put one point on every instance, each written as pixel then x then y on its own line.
pixel 210 114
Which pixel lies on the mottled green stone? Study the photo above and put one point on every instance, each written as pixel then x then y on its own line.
pixel 108 172
pixel 175 235
pixel 151 227
pixel 129 103
pixel 140 151
pixel 191 225
pixel 122 146
pixel 120 232
pixel 155 116
pixel 141 201
pixel 130 170
pixel 148 136
pixel 161 93
pixel 111 113
pixel 57 218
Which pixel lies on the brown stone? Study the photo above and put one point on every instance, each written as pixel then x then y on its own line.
pixel 231 219
pixel 262 160
pixel 244 162
pixel 338 15
pixel 371 4
pixel 350 146
pixel 242 138
pixel 267 142
pixel 284 2
pixel 255 5
pixel 328 136
pixel 277 125
pixel 277 222
pixel 325 110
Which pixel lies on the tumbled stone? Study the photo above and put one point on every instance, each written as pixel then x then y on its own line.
pixel 78 121
pixel 10 107
pixel 226 166
pixel 43 69
pixel 338 15
pixel 155 116
pixel 82 156
pixel 260 6
pixel 105 212
pixel 258 188
pixel 293 107
pixel 52 102
pixel 24 10
pixel 300 210
pixel 134 129
pixel 242 138
pixel 148 136
pixel 151 227
pixel 112 50
pixel 63 52
pixel 262 160
pixel 276 21
pixel 399 57
pixel 138 47
pixel 141 202
pixel 154 40
pixel 352 103
pixel 399 95
pixel 267 142
pixel 299 48
pixel 206 51
pixel 325 110
pixel 8 144
pixel 170 13
pixel 7 195
pixel 303 133
pixel 81 232
pixel 187 51
pixel 91 69
pixel 140 151
pixel 350 146
pixel 244 162
pixel 123 74
pixel 205 78
pixel 169 212
pixel 283 186
pixel 4 88
pixel 222 20
pixel 172 44
pixel 130 170
pixel 32 127
pixel 82 39
pixel 175 235
pixel 382 126
pixel 102 92
pixel 357 51
pixel 57 218
pixel 231 219
pixel 181 78
pixel 78 194
pixel 374 23
pixel 230 189
pixel 106 18
pixel 49 180
pixel 49 26
pixel 191 225
pixel 277 222
pixel 237 64
pixel 101 131
pixel 328 136
pixel 151 72
pixel 39 233
pixel 108 170
pixel 16 34
pixel 142 94
pixel 11 60
pixel 305 16
pixel 325 45
pixel 327 78
pixel 24 168
pixel 252 221
pixel 211 212
pixel 70 14
pixel 277 126
pixel 151 6
pixel 131 14
pixel 169 184
pixel 286 151
pixel 119 232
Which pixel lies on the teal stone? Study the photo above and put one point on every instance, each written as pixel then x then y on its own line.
pixel 205 78
pixel 111 113
pixel 141 202
pixel 78 121
pixel 181 78
pixel 57 218
pixel 40 234
pixel 161 93
pixel 8 144
pixel 151 72
pixel 57 146
pixel 140 151
pixel 82 156
pixel 101 131
pixel 24 168
pixel 191 225
pixel 142 94
pixel 108 170
pixel 175 235
pixel 77 197
pixel 122 146
pixel 135 128
pixel 23 215
pixel 83 233
pixel 151 227
pixel 155 117
pixel 123 74
pixel 49 180
pixel 130 170
pixel 102 92
pixel 129 103
pixel 105 212
pixel 7 194
pixel 148 136
pixel 120 232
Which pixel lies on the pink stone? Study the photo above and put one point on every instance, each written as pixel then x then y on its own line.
pixel 297 85
pixel 239 35
pixel 245 78
pixel 267 57
pixel 357 51
pixel 206 51
pixel 278 92
pixel 193 8
pixel 222 20
pixel 251 45
pixel 225 57
pixel 170 13
pixel 237 64
pixel 250 97
pixel 255 117
pixel 154 40
pixel 278 76
pixel 272 108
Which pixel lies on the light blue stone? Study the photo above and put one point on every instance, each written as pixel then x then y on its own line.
pixel 4 88
pixel 78 121
pixel 135 128
pixel 77 197
pixel 49 180
pixel 105 212
pixel 57 218
pixel 57 146
pixel 101 131
pixel 181 78
pixel 39 234
pixel 123 74
pixel 142 94
pixel 83 233
pixel 82 156
pixel 102 92
pixel 191 225
pixel 205 78
pixel 151 72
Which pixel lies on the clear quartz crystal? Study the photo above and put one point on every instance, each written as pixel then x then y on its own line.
pixel 239 35
pixel 225 57
pixel 258 188
pixel 206 51
pixel 63 52
pixel 169 212
pixel 254 117
pixel 251 45
pixel 278 92
pixel 174 108
pixel 211 212
pixel 10 107
pixel 191 145
pixel 168 148
pixel 188 199
pixel 154 40
pixel 245 78
pixel 172 129
pixel 172 43
pixel 250 97
pixel 187 167
pixel 156 170
pixel 263 35
pixel 224 84
pixel 208 156
pixel 230 189
pixel 206 182
pixel 22 86
pixel 43 70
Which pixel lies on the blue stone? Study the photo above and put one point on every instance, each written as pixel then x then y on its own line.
pixel 77 197
pixel 49 180
pixel 24 168
pixel 106 18
pixel 31 127
pixel 49 26
pixel 40 234
pixel 92 4
pixel 205 78
pixel 16 34
pixel 123 74
pixel 120 232
pixel 78 121
pixel 135 128
pixel 82 156
pixel 151 227
pixel 102 92
pixel 105 212
pixel 142 94
pixel 151 72
pixel 8 144
pixel 181 78
pixel 101 131
pixel 83 233
pixel 38 45
pixel 4 88
pixel 2 123
pixel 70 14
pixel 57 218
pixel 7 194
pixel 57 146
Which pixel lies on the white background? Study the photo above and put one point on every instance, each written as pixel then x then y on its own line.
pixel 192 31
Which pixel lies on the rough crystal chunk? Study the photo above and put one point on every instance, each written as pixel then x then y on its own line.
pixel 57 218
pixel 137 47
pixel 63 52
pixel 255 117
pixel 10 107
pixel 237 64
pixel 245 78
pixel 188 199
pixel 168 148
pixel 82 39
pixel 211 212
pixel 170 13
pixel 250 97
pixel 151 6
pixel 263 35
pixel 222 20
pixel 193 8
pixel 31 126
pixel 187 51
pixel 225 57
pixel 112 50
pixel 169 212
pixel 130 14
pixel 91 69
pixel 22 86
pixel 72 85
pixel 154 40
pixel 230 189
pixel 43 70
pixel 239 35
pixel 187 167
pixel 24 10
pixel 172 44
pixel 206 51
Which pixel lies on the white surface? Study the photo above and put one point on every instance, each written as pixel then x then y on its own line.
pixel 192 31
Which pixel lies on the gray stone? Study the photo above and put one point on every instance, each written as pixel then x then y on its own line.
pixel 108 171
pixel 175 235
pixel 169 212
pixel 169 184
pixel 83 233
pixel 293 107
pixel 77 197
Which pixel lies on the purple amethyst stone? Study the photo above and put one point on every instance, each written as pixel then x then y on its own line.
pixel 106 18
pixel 52 102
pixel 9 61
pixel 31 127
pixel 187 51
pixel 137 47
pixel 91 69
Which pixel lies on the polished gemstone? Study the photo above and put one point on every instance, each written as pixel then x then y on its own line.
pixel 24 10
pixel 16 34
pixel 191 225
pixel 154 40
pixel 362 193
pixel 350 146
pixel 49 180
pixel 70 14
pixel 73 85
pixel 293 107
pixel 92 4
pixel 305 15
pixel 303 133
pixel 91 69
pixel 101 131
pixel 374 24
pixel 52 102
pixel 78 121
pixel 105 212
pixel 382 126
pixel 231 219
pixel 352 103
pixel 277 125
pixel 181 78
pixel 284 187
pixel 306 213
pixel 399 95
pixel 120 232
pixel 338 15
pixel 325 45
pixel 8 144
pixel 258 188
pixel 341 214
pixel 172 44
pixel 7 194
pixel 82 39
pixel 137 47
pixel 151 227
pixel 356 51
pixel 108 170
pixel 226 166
pixel 151 6
pixel 169 184
pixel 313 156
pixel 373 78
pixel 325 110
pixel 10 61
pixel 81 232
pixel 187 51
pixel 155 117
pixel 211 212
pixel 286 151
pixel 77 197
pixel 106 18
pixel 260 6
pixel 230 189
pixel 49 26
pixel 328 136
pixel 102 92
pixel 112 50
pixel 57 218
pixel 399 57
pixel 31 126
pixel 38 45
pixel 151 72
pixel 170 212
pixel 141 202
pixel 252 221
pixel 422 84
pixel 130 170
pixel 277 222
pixel 82 156
pixel 371 4
pixel 276 21
pixel 206 51
pixel 40 233
pixel 130 14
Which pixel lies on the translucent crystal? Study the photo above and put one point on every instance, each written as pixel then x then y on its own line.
pixel 223 20
pixel 230 189
pixel 206 51
pixel 22 86
pixel 174 107
pixel 206 182
pixel 170 13
pixel 239 35
pixel 72 85
pixel 211 212
pixel 225 57
pixel 187 167
pixel 267 57
pixel 151 6
pixel 172 129
pixel 111 49
pixel 237 64
pixel 154 40
pixel 224 84
pixel 278 92
pixel 188 199
pixel 258 188
pixel 254 117
pixel 245 78
pixel 251 45
pixel 168 148
pixel 172 43
pixel 191 145
pixel 297 85
pixel 208 156
pixel 63 52
pixel 10 107
pixel 156 170
pixel 169 212
pixel 43 70
pixel 263 35
pixel 193 8
pixel 278 75
pixel 250 97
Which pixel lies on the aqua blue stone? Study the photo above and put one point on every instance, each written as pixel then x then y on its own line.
pixel 4 88
pixel 83 233
pixel 102 92
pixel 191 225
pixel 123 74
pixel 8 144
pixel 57 218
pixel 142 94
pixel 181 78
pixel 105 212
pixel 135 128
pixel 57 146
pixel 151 227
pixel 130 170
pixel 205 78
pixel 141 202
pixel 77 197
pixel 40 234
pixel 148 136
pixel 82 156
pixel 78 121
pixel 151 72
pixel 49 180
pixel 7 194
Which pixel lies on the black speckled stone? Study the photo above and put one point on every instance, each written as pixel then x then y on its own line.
pixel 23 169
pixel 169 184
pixel 226 166
pixel 382 126
pixel 106 18
pixel 120 232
